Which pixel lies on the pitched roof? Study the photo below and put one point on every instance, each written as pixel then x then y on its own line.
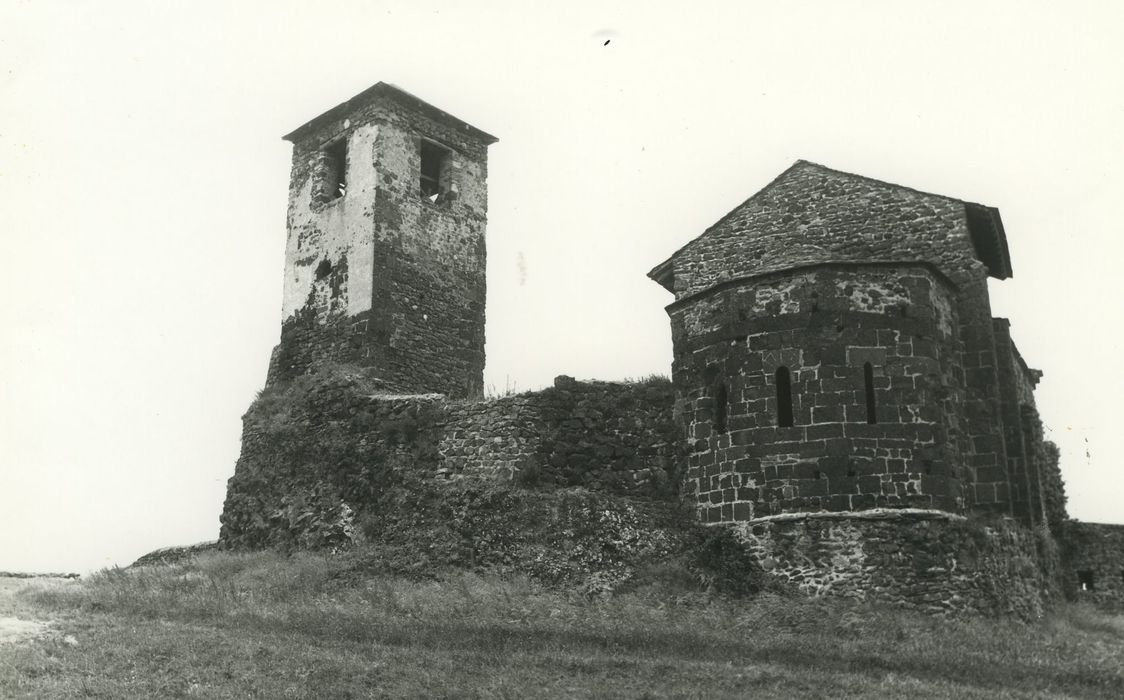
pixel 397 94
pixel 984 224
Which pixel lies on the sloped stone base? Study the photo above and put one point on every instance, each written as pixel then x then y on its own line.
pixel 927 560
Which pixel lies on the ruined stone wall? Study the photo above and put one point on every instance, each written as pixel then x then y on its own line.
pixel 325 442
pixel 1016 402
pixel 813 215
pixel 605 436
pixel 497 438
pixel 1053 486
pixel 1037 489
pixel 383 277
pixel 1093 557
pixel 930 561
pixel 823 324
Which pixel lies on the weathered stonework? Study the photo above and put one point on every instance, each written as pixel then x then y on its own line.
pixel 384 276
pixel 811 215
pixel 1094 563
pixel 605 436
pixel 590 466
pixel 928 560
pixel 823 324
pixel 836 358
pixel 843 404
pixel 827 274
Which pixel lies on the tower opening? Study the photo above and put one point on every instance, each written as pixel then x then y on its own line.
pixel 434 159
pixel 335 162
pixel 868 377
pixel 784 397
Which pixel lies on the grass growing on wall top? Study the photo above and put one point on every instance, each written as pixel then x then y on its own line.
pixel 265 625
pixel 324 464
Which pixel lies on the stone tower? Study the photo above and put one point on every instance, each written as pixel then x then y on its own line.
pixel 385 256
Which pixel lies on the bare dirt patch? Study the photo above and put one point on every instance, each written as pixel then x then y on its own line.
pixel 13 629
pixel 16 622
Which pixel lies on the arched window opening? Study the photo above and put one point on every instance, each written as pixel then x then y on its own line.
pixel 868 376
pixel 784 397
pixel 721 407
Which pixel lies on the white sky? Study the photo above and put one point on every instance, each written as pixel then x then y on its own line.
pixel 143 187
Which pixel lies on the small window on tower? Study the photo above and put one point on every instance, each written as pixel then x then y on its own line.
pixel 335 163
pixel 434 163
pixel 1085 580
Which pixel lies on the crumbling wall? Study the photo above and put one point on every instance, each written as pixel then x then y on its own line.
pixel 606 436
pixel 1037 490
pixel 823 325
pixel 1053 486
pixel 930 561
pixel 325 451
pixel 1093 560
pixel 1016 394
pixel 498 438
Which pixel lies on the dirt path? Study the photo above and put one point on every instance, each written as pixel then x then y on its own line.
pixel 17 623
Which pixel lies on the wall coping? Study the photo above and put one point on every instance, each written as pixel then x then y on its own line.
pixel 563 382
pixel 872 514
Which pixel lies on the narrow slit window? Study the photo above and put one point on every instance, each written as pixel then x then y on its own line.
pixel 434 159
pixel 1085 580
pixel 868 377
pixel 721 407
pixel 784 397
pixel 336 169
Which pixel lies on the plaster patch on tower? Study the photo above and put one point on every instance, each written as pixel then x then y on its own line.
pixel 334 231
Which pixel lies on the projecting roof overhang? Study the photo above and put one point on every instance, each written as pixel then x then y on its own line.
pixel 392 92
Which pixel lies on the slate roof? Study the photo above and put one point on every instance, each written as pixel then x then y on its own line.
pixel 392 92
pixel 812 214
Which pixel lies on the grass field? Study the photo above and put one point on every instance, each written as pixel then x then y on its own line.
pixel 310 626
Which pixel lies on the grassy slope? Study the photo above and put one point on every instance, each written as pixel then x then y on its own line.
pixel 259 625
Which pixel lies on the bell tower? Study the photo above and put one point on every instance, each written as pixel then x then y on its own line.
pixel 385 256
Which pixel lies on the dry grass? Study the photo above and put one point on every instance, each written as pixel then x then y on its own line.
pixel 262 625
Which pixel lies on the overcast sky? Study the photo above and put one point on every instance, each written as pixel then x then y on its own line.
pixel 143 186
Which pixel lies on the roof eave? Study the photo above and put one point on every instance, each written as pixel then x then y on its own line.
pixel 664 274
pixel 996 256
pixel 1001 232
pixel 393 92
